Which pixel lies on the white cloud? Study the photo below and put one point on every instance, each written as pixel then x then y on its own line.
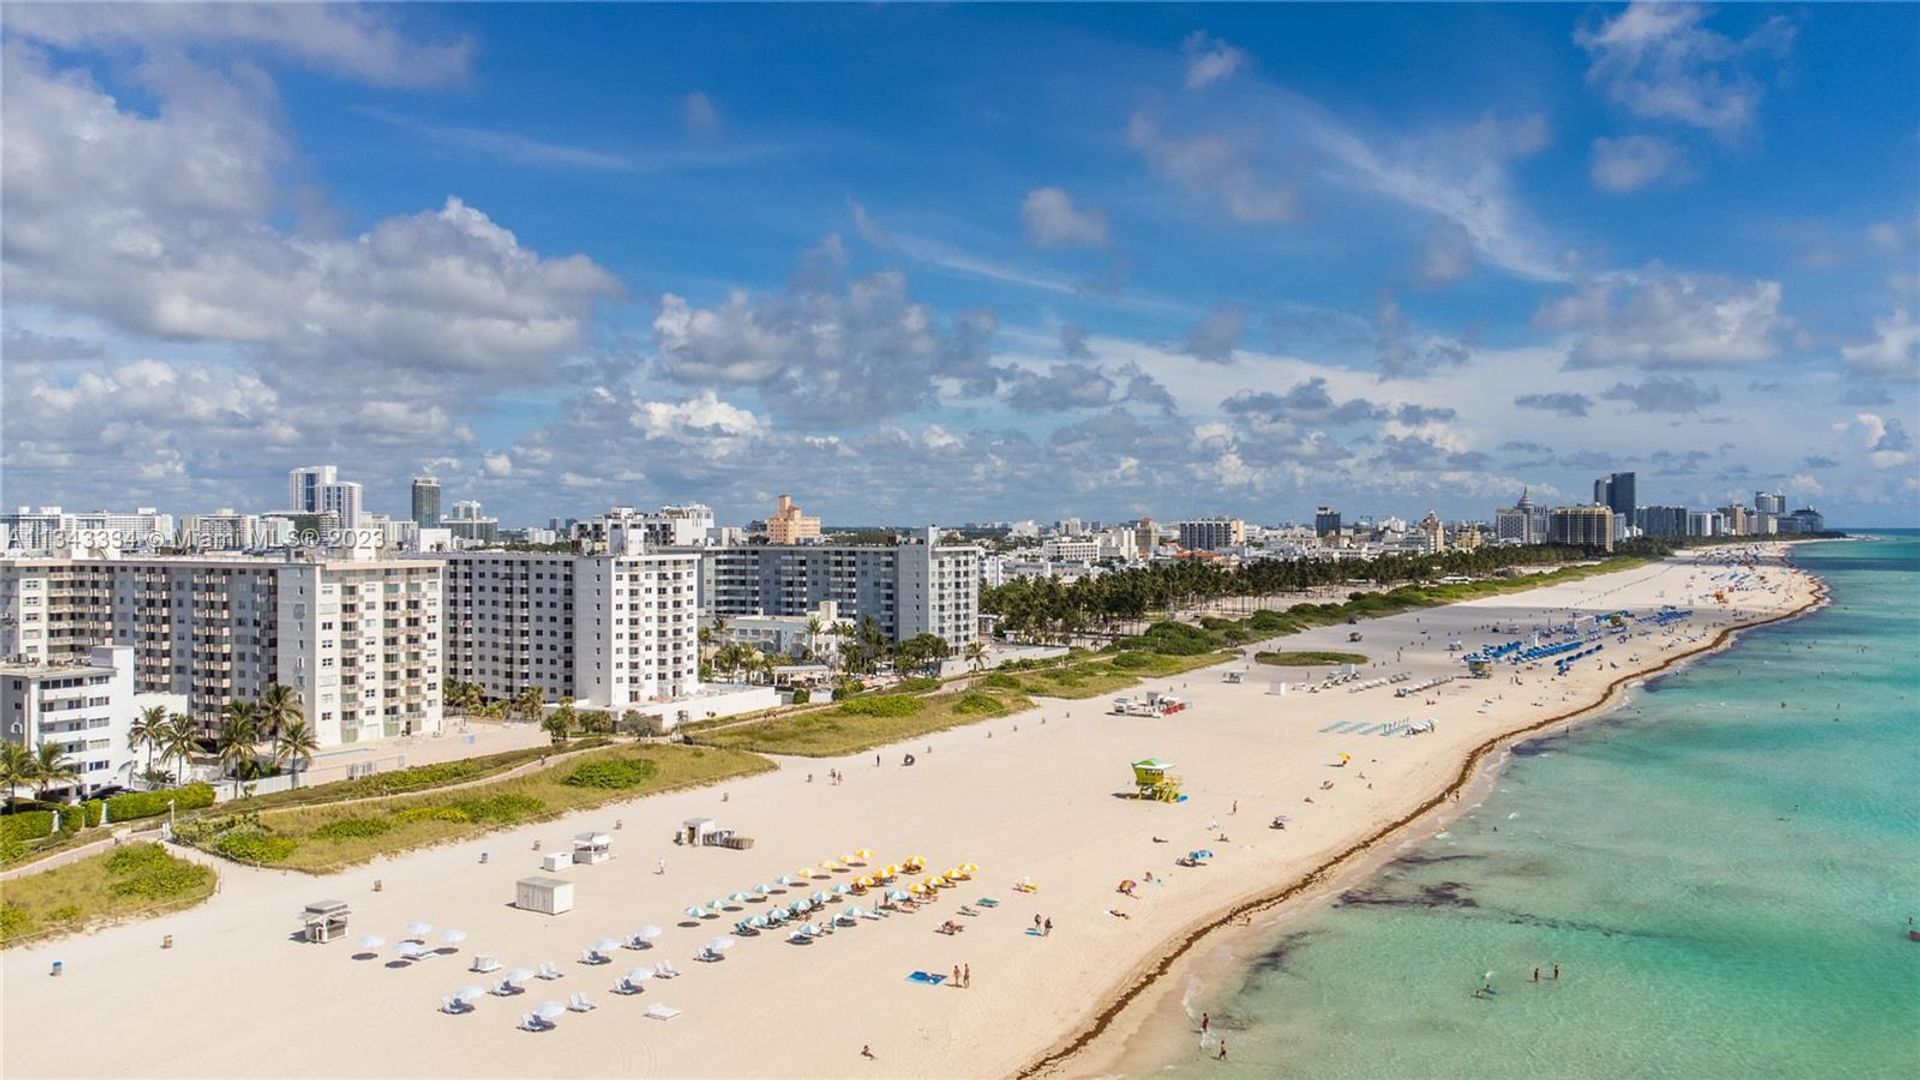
pixel 704 417
pixel 1052 221
pixel 1632 162
pixel 1665 318
pixel 357 41
pixel 1209 60
pixel 1216 166
pixel 700 115
pixel 1214 337
pixel 1894 350
pixel 1448 253
pixel 1658 61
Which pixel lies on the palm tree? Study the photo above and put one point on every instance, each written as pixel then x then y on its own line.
pixel 529 703
pixel 279 706
pixel 179 737
pixel 145 732
pixel 16 768
pixel 239 734
pixel 295 745
pixel 52 767
pixel 977 655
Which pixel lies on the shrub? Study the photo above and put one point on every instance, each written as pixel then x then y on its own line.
pixel 134 805
pixel 917 685
pixel 890 706
pixel 802 695
pixel 500 808
pixel 975 703
pixel 1132 660
pixel 353 828
pixel 27 825
pixel 611 774
pixel 254 846
pixel 64 913
pixel 1000 680
pixel 147 871
pixel 1176 639
pixel 14 921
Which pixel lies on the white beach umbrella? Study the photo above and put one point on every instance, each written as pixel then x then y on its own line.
pixel 470 993
pixel 693 913
pixel 550 1010
pixel 372 941
pixel 640 974
pixel 419 928
pixel 647 933
pixel 605 945
pixel 411 950
pixel 518 976
pixel 722 943
pixel 739 898
pixel 453 937
pixel 763 888
pixel 717 905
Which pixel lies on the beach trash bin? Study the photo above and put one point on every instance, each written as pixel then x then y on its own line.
pixel 483 856
pixel 166 941
pixel 377 887
pixel 58 967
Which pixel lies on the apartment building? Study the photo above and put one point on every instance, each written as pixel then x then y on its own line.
pixel 788 525
pixel 1583 526
pixel 85 708
pixel 358 639
pixel 917 585
pixel 608 631
pixel 1213 534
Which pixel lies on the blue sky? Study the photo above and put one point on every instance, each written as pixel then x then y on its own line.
pixel 950 263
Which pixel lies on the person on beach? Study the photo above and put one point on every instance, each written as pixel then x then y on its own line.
pixel 661 867
pixel 1036 922
pixel 1556 971
pixel 1223 1050
pixel 1206 1024
pixel 867 1052
pixel 966 976
pixel 1048 930
pixel 1536 974
pixel 956 975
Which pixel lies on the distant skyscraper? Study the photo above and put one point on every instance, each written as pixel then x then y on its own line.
pixel 426 502
pixel 1775 503
pixel 1326 521
pixel 303 494
pixel 1615 491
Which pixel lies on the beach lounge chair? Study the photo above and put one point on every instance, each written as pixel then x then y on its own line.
pixel 550 970
pixel 579 1003
pixel 454 1006
pixel 666 970
pixel 707 956
pixel 662 1012
pixel 592 958
pixel 626 987
pixel 988 902
pixel 484 964
pixel 531 1022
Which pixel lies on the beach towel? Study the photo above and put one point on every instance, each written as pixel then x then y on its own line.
pixel 926 978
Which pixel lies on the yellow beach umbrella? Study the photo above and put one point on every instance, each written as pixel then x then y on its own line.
pixel 864 853
pixel 893 869
pixel 805 872
pixel 969 867
pixel 829 864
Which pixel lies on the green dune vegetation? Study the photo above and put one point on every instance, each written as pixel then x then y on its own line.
pixel 331 837
pixel 134 880
pixel 1308 658
pixel 865 721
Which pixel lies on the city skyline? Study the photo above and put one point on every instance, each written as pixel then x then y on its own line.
pixel 965 264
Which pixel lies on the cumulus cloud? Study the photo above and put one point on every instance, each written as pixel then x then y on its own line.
pixel 1403 351
pixel 1661 394
pixel 1061 388
pixel 1419 453
pixel 1658 61
pixel 867 351
pixel 356 41
pixel 1209 60
pixel 1560 404
pixel 1632 162
pixel 1307 402
pixel 1215 337
pixel 1664 318
pixel 1052 221
pixel 1819 461
pixel 1216 167
pixel 1894 350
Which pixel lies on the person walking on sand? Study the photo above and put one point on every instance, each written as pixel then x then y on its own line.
pixel 1036 922
pixel 1223 1050
pixel 966 976
pixel 1206 1025
pixel 867 1052
pixel 1048 931
pixel 956 976
pixel 661 867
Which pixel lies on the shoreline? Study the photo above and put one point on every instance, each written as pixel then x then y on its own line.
pixel 1146 987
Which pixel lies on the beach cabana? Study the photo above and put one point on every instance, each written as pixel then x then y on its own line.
pixel 592 847
pixel 696 831
pixel 324 920
pixel 547 895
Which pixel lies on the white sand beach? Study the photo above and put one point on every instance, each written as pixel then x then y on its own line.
pixel 1030 795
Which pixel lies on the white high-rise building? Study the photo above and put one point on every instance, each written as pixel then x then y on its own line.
pixel 918 585
pixel 609 631
pixel 86 708
pixel 303 487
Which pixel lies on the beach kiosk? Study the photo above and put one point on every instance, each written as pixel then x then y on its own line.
pixel 325 920
pixel 547 895
pixel 590 848
pixel 696 831
pixel 1154 779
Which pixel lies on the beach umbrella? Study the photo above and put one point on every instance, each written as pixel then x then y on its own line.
pixel 739 898
pixel 820 897
pixel 763 888
pixel 896 895
pixel 639 974
pixel 453 937
pixel 419 928
pixel 758 922
pixel 797 935
pixel 550 1010
pixel 717 905
pixel 841 889
pixel 722 943
pixel 856 911
pixel 372 941
pixel 811 930
pixel 518 976
pixel 970 867
pixel 647 932
pixel 829 864
pixel 410 950
pixel 864 853
pixel 785 879
pixel 605 945
pixel 849 858
pixel 804 873
pixel 693 913
pixel 470 993
pixel 892 869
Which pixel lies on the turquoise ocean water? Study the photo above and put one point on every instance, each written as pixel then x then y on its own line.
pixel 1725 884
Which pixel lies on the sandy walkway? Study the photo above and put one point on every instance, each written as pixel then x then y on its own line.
pixel 1029 795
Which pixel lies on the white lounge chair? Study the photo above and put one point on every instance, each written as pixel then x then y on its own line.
pixel 662 1012
pixel 550 970
pixel 666 970
pixel 626 986
pixel 484 964
pixel 531 1022
pixel 505 989
pixel 579 1003
pixel 454 1006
